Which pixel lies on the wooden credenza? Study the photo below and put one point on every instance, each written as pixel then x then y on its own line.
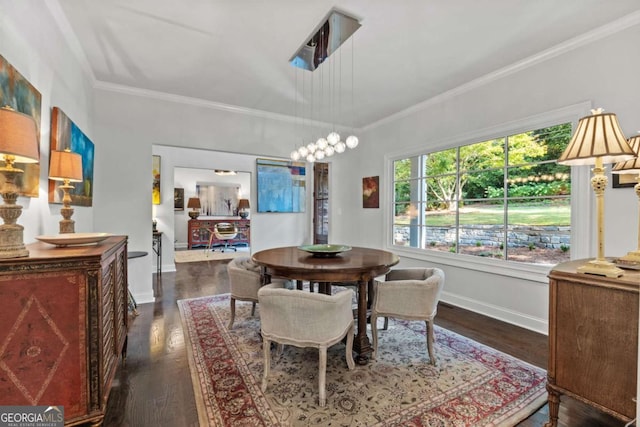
pixel 63 326
pixel 199 231
pixel 593 340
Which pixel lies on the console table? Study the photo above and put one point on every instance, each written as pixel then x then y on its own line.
pixel 593 340
pixel 199 231
pixel 64 326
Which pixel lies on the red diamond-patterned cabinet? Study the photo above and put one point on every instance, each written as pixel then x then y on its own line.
pixel 200 231
pixel 63 326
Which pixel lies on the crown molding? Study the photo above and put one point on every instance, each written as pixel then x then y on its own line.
pixel 596 34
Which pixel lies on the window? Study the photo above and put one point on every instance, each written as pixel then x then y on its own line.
pixel 505 198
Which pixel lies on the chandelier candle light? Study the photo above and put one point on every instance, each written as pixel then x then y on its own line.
pixel 18 143
pixel 328 36
pixel 66 166
pixel 598 140
pixel 631 167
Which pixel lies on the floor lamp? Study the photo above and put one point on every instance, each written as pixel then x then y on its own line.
pixel 598 140
pixel 632 167
pixel 18 143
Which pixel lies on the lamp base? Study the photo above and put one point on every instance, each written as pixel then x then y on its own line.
pixel 11 244
pixel 67 226
pixel 632 258
pixel 194 214
pixel 601 268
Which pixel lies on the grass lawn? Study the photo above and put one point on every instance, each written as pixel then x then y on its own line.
pixel 535 215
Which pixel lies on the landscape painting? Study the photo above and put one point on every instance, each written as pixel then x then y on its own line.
pixel 17 93
pixel 65 134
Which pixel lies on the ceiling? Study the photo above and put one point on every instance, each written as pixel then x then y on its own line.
pixel 236 53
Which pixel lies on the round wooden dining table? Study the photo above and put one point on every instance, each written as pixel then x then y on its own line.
pixel 358 265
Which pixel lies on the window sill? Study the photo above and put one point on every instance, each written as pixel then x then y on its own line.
pixel 532 272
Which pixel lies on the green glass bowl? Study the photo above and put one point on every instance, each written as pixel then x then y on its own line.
pixel 326 250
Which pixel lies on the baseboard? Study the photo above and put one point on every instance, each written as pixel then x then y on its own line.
pixel 515 318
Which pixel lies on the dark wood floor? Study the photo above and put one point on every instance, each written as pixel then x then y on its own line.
pixel 153 388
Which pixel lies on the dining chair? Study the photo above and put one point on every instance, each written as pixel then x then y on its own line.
pixel 305 319
pixel 245 280
pixel 410 294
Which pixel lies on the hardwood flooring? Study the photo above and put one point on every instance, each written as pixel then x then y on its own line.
pixel 153 387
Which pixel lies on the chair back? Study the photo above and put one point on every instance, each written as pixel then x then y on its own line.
pixel 411 292
pixel 309 319
pixel 225 230
pixel 244 278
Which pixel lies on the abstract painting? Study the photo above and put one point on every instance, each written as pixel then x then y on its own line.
pixel 219 199
pixel 65 134
pixel 17 93
pixel 155 172
pixel 370 192
pixel 281 186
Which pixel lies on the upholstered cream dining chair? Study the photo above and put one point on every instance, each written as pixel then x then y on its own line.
pixel 305 319
pixel 245 280
pixel 410 294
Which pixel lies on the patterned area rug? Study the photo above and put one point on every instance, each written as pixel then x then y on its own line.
pixel 198 255
pixel 473 385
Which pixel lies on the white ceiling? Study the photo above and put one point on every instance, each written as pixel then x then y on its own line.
pixel 236 53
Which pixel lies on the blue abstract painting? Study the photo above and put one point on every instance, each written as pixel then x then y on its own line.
pixel 281 186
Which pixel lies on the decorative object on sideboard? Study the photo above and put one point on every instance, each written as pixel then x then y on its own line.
pixel 194 205
pixel 598 140
pixel 632 259
pixel 243 208
pixel 18 143
pixel 66 166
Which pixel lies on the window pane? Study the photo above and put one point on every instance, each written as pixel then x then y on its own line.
pixel 482 184
pixel 440 238
pixel 402 169
pixel 539 145
pixel 542 180
pixel 539 232
pixel 482 155
pixel 406 235
pixel 441 192
pixel 441 162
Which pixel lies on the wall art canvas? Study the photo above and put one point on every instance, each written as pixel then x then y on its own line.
pixel 281 186
pixel 218 199
pixel 178 199
pixel 19 94
pixel 155 172
pixel 66 134
pixel 371 192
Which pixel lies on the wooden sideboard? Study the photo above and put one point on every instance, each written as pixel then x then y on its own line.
pixel 199 231
pixel 593 340
pixel 64 326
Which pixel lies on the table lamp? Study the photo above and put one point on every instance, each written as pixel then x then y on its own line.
pixel 194 204
pixel 243 208
pixel 18 143
pixel 598 140
pixel 66 166
pixel 632 167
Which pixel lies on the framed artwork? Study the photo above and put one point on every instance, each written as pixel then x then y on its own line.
pixel 65 134
pixel 19 94
pixel 622 180
pixel 371 192
pixel 281 186
pixel 178 199
pixel 155 172
pixel 218 199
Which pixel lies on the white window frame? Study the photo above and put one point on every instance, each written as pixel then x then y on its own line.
pixel 581 199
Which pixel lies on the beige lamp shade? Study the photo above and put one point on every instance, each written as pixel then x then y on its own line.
pixel 193 203
pixel 243 204
pixel 597 136
pixel 18 136
pixel 633 165
pixel 65 165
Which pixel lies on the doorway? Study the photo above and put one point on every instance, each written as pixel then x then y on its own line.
pixel 320 203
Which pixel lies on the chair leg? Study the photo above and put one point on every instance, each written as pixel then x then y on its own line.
pixel 322 376
pixel 430 339
pixel 253 309
pixel 266 350
pixel 349 350
pixel 374 333
pixel 386 323
pixel 233 313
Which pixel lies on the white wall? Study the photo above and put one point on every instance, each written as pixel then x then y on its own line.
pixel 603 73
pixel 33 44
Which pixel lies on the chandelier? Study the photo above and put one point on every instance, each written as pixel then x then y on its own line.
pixel 332 32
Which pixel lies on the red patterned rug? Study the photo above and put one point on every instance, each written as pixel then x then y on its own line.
pixel 473 385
